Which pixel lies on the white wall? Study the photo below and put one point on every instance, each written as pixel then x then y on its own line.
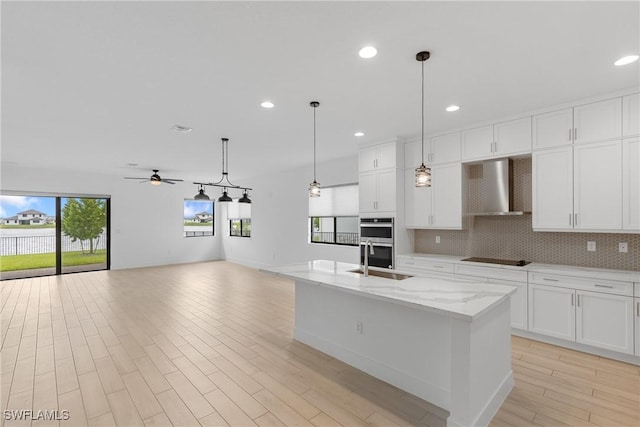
pixel 146 220
pixel 279 223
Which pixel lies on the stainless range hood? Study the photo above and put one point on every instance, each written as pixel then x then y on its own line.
pixel 497 189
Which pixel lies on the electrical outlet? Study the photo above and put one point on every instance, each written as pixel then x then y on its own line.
pixel 437 239
pixel 591 246
pixel 359 326
pixel 623 247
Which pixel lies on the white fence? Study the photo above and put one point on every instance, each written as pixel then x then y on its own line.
pixel 23 245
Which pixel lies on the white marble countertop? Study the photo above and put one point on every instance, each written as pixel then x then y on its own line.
pixel 567 270
pixel 461 299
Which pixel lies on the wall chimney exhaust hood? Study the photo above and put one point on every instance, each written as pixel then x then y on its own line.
pixel 497 189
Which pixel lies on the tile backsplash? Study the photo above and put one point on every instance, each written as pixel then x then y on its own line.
pixel 512 237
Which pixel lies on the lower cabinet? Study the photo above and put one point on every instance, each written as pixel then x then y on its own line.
pixel 598 319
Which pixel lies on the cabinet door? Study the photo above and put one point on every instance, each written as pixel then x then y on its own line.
pixel 367 159
pixel 512 137
pixel 631 115
pixel 552 129
pixel 413 154
pixel 552 189
pixel 552 311
pixel 447 196
pixel 417 202
pixel 367 192
pixel 631 184
pixel 597 180
pixel 598 121
pixel 386 155
pixel 386 184
pixel 445 148
pixel 605 321
pixel 477 143
pixel 637 325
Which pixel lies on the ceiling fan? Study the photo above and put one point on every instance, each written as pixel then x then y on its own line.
pixel 155 179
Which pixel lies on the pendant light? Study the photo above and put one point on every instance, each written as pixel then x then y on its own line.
pixel 201 194
pixel 314 187
pixel 423 173
pixel 223 181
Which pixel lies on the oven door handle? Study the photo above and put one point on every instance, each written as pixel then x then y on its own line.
pixel 365 225
pixel 386 245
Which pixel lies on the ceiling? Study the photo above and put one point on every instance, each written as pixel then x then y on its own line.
pixel 98 85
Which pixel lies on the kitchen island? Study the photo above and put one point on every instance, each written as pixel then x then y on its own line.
pixel 447 342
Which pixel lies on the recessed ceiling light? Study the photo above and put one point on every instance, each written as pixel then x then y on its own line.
pixel 358 134
pixel 267 104
pixel 626 60
pixel 368 52
pixel 181 129
pixel 452 108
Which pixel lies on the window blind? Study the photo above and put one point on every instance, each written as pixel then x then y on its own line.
pixel 335 201
pixel 237 210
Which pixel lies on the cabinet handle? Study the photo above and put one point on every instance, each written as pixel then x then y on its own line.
pixel 575 134
pixel 570 219
pixel 597 285
pixel 550 280
pixel 438 266
pixel 572 299
pixel 638 309
pixel 575 219
pixel 578 298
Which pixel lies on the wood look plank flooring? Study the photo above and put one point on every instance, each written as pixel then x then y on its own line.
pixel 211 344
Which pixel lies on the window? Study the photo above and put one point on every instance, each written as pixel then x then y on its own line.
pixel 240 227
pixel 239 215
pixel 333 217
pixel 198 218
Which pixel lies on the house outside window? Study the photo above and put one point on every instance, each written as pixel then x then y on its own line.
pixel 198 218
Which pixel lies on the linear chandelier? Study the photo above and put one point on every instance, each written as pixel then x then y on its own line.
pixel 223 182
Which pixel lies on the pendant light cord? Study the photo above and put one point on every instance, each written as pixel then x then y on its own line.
pixel 422 112
pixel 314 144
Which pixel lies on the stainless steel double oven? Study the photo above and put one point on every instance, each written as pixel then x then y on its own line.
pixel 380 232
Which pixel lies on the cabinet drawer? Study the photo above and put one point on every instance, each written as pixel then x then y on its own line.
pixel 423 264
pixel 583 283
pixel 492 273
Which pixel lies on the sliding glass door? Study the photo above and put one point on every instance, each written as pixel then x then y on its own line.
pixel 47 235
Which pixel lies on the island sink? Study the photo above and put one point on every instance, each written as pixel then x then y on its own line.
pixel 385 274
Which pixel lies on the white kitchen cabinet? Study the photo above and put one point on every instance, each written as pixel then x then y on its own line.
pixel 379 156
pixel 477 143
pixel 553 129
pixel 579 187
pixel 438 206
pixel 417 202
pixel 512 137
pixel 631 115
pixel 631 184
pixel 636 302
pixel 597 185
pixel 605 321
pixel 501 139
pixel 377 191
pixel 445 148
pixel 552 189
pixel 597 121
pixel 552 311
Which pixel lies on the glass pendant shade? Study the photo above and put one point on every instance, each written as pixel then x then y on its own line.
pixel 225 197
pixel 245 198
pixel 423 176
pixel 155 181
pixel 201 195
pixel 314 189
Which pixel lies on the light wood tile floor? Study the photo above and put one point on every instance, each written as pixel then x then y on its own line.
pixel 211 344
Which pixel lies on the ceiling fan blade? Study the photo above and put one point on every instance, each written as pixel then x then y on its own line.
pixel 172 179
pixel 168 182
pixel 144 180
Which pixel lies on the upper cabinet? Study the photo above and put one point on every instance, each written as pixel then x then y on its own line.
pixel 378 178
pixel 631 184
pixel 437 150
pixel 501 139
pixel 597 121
pixel 631 115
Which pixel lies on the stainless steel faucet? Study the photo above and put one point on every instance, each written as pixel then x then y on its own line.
pixel 369 244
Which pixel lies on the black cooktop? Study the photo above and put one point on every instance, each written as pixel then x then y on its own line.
pixel 519 263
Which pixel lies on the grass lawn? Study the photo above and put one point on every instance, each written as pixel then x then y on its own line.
pixel 28 262
pixel 15 227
